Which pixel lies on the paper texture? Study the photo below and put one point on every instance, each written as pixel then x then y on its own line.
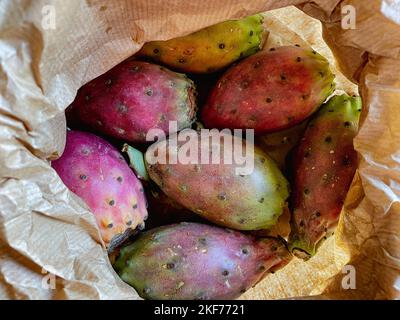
pixel 50 247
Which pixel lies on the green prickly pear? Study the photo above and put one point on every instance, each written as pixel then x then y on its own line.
pixel 193 261
pixel 324 164
pixel 216 191
pixel 209 49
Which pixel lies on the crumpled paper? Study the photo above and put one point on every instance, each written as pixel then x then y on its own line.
pixel 50 247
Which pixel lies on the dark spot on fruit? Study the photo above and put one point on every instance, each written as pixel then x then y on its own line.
pixel 221 46
pixel 244 84
pixel 347 124
pixel 261 200
pixel 290 118
pixel 314 52
pixel 307 154
pixel 346 160
pixel 156 51
pixel 272 271
pixel 359 110
pixel 149 92
pixel 108 82
pixel 306 191
pixel 251 32
pixel 283 77
pixel 317 214
pixel 253 118
pixel 111 202
pixel 269 100
pixel 170 265
pixel 328 139
pixel 85 151
pixel 297 45
pixel 119 179
pixel 257 64
pixel 243 290
pixel 181 60
pixel 325 229
pixel 261 268
pixel 242 221
pixel 272 49
pixel 225 273
pixel 324 238
pixel 110 225
pixel 203 241
pixel 83 177
pixel 322 74
pixel 332 85
pixel 262 160
pixel 146 290
pixel 122 107
pixel 233 111
pixel 222 196
pixel 274 248
pixel 129 222
pixel 305 96
pixel 245 251
pixel 301 224
pixel 134 206
pixel 298 59
pixel 135 68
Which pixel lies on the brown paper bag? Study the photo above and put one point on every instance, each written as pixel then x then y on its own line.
pixel 50 247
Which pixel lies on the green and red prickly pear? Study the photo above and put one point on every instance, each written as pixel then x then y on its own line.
pixel 270 91
pixel 216 191
pixel 211 48
pixel 118 103
pixel 96 172
pixel 324 164
pixel 193 261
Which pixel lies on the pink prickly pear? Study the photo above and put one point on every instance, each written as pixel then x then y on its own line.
pixel 95 171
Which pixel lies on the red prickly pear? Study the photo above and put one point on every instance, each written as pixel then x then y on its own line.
pixel 118 102
pixel 270 91
pixel 324 164
pixel 191 261
pixel 96 172
pixel 211 48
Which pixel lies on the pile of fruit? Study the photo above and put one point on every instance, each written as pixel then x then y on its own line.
pixel 203 231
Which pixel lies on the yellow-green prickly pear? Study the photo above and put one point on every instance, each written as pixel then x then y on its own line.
pixel 211 48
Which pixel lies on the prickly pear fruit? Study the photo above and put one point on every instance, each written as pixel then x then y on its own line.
pixel 323 167
pixel 209 49
pixel 118 103
pixel 270 91
pixel 217 191
pixel 95 171
pixel 191 261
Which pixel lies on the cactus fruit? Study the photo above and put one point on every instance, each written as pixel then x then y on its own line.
pixel 216 191
pixel 117 103
pixel 209 49
pixel 96 172
pixel 270 91
pixel 324 164
pixel 191 261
